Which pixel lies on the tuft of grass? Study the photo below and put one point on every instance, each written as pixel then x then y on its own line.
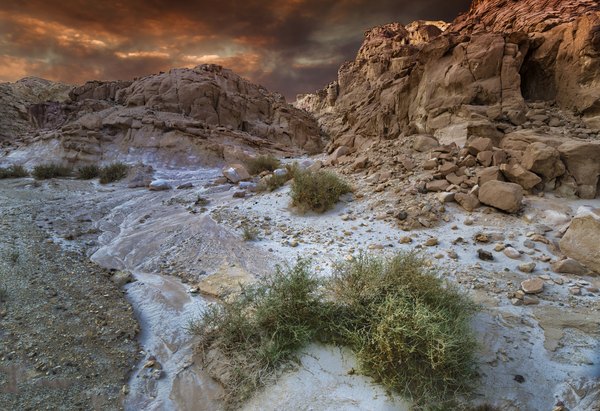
pixel 249 233
pixel 262 163
pixel 317 190
pixel 410 331
pixel 88 172
pixel 261 330
pixel 14 171
pixel 113 172
pixel 53 170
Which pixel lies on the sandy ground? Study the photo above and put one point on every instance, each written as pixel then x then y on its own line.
pixel 170 242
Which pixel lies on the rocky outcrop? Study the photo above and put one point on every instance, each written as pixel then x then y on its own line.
pixel 203 115
pixel 475 79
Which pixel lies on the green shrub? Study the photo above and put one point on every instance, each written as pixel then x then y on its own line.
pixel 317 190
pixel 88 172
pixel 249 233
pixel 47 171
pixel 262 163
pixel 113 172
pixel 261 329
pixel 14 171
pixel 411 332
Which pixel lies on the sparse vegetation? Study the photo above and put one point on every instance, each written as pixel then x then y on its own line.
pixel 3 294
pixel 48 171
pixel 249 232
pixel 201 201
pixel 410 331
pixel 113 172
pixel 13 256
pixel 317 190
pixel 14 171
pixel 88 172
pixel 262 163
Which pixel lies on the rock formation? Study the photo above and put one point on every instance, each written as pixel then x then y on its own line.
pixel 513 72
pixel 16 99
pixel 186 116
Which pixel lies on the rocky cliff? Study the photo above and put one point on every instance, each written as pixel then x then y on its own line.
pixel 185 116
pixel 15 100
pixel 476 77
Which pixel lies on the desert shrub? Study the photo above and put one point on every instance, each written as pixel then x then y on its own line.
pixel 262 163
pixel 411 332
pixel 88 172
pixel 47 171
pixel 14 171
pixel 317 190
pixel 261 329
pixel 249 233
pixel 113 172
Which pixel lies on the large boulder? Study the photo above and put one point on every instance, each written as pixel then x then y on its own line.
pixel 502 195
pixel 517 174
pixel 543 160
pixel 236 173
pixel 582 240
pixel 582 159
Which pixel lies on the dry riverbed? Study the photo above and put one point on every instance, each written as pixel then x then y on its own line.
pixel 180 244
pixel 67 333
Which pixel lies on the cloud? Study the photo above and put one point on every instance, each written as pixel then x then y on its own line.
pixel 292 46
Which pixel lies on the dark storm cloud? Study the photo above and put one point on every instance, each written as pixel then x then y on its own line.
pixel 289 46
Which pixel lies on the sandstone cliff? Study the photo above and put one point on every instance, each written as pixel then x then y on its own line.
pixel 475 77
pixel 185 116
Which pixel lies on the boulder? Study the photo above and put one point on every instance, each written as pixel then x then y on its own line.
pixel 159 185
pixel 489 174
pixel 479 144
pixel 437 185
pixel 569 266
pixel 424 143
pixel 543 160
pixel 467 201
pixel 236 173
pixel 582 239
pixel 501 195
pixel 582 159
pixel 517 174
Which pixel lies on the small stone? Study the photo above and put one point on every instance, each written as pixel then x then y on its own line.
pixel 482 238
pixel 512 253
pixel 530 300
pixel 406 240
pixel 431 242
pixel 468 221
pixel 516 301
pixel 499 247
pixel 527 267
pixel 520 294
pixel 519 378
pixel 575 290
pixel 452 254
pixel 569 266
pixel 293 243
pixel 485 255
pixel 185 186
pixel 533 286
pixel 239 194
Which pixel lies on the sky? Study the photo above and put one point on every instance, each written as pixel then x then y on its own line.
pixel 288 46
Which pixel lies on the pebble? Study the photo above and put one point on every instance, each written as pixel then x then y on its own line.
pixel 485 255
pixel 527 267
pixel 406 240
pixel 431 242
pixel 512 253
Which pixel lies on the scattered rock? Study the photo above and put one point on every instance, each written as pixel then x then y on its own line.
pixel 533 286
pixel 185 186
pixel 120 278
pixel 527 267
pixel 510 252
pixel 431 242
pixel 236 173
pixel 485 255
pixel 159 185
pixel 467 201
pixel 517 174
